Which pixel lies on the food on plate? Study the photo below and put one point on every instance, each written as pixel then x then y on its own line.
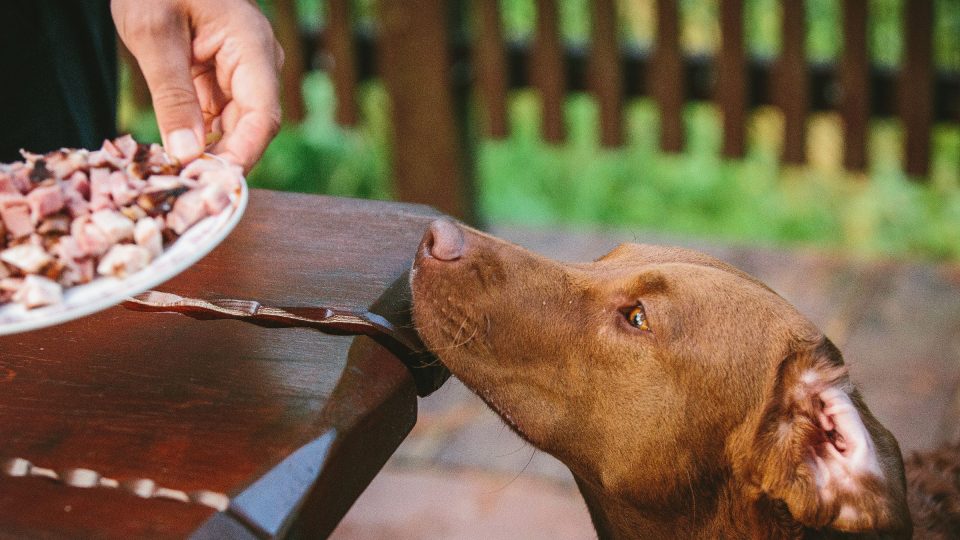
pixel 71 216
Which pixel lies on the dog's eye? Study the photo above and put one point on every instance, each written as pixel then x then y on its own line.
pixel 637 317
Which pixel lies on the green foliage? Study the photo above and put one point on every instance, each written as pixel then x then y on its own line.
pixel 320 157
pixel 526 181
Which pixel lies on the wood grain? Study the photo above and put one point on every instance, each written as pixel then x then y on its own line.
pixel 217 405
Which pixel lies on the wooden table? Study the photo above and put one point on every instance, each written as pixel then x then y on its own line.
pixel 280 428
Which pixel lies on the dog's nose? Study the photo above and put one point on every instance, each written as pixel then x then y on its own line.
pixel 443 240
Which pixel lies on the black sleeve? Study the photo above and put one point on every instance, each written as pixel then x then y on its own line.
pixel 58 75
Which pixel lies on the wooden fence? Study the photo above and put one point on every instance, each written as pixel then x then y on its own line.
pixel 420 49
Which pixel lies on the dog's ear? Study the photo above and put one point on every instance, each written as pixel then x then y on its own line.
pixel 815 449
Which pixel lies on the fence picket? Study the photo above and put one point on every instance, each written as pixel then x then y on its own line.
pixel 854 82
pixel 287 31
pixel 792 92
pixel 491 61
pixel 547 71
pixel 428 138
pixel 915 90
pixel 667 76
pixel 606 72
pixel 731 72
pixel 343 67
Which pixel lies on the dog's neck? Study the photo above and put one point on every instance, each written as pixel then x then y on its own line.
pixel 726 513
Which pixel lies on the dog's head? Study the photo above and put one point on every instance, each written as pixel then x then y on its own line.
pixel 659 375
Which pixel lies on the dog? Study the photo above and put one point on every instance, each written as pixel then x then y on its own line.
pixel 687 398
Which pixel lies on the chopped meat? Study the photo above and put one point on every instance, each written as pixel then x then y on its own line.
pixel 215 199
pixel 116 226
pixel 57 224
pixel 148 234
pixel 69 215
pixel 120 191
pixel 123 260
pixel 15 213
pixel 90 239
pixel 190 208
pixel 100 197
pixel 6 183
pixel 227 177
pixel 20 177
pixel 37 291
pixel 29 258
pixel 45 200
pixel 63 163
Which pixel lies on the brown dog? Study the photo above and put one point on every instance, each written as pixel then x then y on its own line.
pixel 687 398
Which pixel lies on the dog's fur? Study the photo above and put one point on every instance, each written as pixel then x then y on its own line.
pixel 731 417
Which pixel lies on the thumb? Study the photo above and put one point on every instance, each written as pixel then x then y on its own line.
pixel 165 57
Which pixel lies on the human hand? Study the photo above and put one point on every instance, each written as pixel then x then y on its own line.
pixel 212 67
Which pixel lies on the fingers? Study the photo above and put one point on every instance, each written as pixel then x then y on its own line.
pixel 252 118
pixel 159 36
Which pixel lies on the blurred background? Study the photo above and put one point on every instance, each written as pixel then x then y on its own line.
pixel 761 192
pixel 814 144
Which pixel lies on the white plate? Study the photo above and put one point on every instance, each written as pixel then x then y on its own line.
pixel 105 292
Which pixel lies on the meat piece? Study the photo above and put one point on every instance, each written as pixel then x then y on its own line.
pixel 100 196
pixel 45 200
pixel 119 189
pixel 215 198
pixel 190 208
pixel 67 249
pixel 38 291
pixel 123 260
pixel 29 258
pixel 80 182
pixel 75 202
pixel 20 177
pixel 57 224
pixel 127 146
pixel 6 183
pixel 4 271
pixel 199 166
pixel 90 239
pixel 113 155
pixel 229 177
pixel 148 234
pixel 15 213
pixel 62 163
pixel 75 267
pixel 115 226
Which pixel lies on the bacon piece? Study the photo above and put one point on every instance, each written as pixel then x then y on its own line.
pixel 64 162
pixel 45 200
pixel 29 258
pixel 190 208
pixel 229 177
pixel 100 189
pixel 148 234
pixel 215 199
pixel 20 177
pixel 114 225
pixel 90 239
pixel 75 193
pixel 15 213
pixel 123 260
pixel 36 291
pixel 119 189
pixel 6 183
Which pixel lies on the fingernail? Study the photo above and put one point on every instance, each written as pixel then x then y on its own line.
pixel 183 144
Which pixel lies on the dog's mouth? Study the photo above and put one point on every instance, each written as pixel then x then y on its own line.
pixel 447 280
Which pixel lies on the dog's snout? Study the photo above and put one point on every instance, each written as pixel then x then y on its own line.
pixel 443 240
